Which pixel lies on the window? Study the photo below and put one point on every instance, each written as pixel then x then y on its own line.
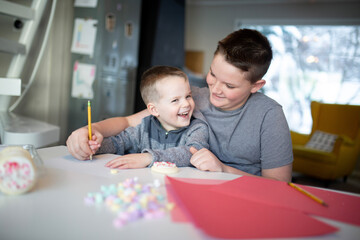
pixel 319 63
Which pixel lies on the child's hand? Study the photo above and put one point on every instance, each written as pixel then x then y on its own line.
pixel 94 146
pixel 205 160
pixel 134 160
pixel 78 142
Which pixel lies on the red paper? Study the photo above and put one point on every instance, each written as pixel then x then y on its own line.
pixel 341 207
pixel 225 216
pixel 178 215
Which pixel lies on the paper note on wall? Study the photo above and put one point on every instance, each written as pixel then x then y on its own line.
pixel 83 78
pixel 84 36
pixel 85 3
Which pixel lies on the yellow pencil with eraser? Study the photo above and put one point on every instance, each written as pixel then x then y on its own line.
pixel 89 123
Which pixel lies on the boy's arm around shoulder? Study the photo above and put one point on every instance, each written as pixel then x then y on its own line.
pixel 113 126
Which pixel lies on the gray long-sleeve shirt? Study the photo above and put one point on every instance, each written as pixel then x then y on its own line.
pixel 151 137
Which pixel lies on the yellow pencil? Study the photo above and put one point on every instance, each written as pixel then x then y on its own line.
pixel 308 194
pixel 89 123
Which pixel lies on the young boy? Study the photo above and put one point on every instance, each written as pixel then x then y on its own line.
pixel 168 133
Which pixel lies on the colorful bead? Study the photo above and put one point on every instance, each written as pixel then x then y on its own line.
pixel 131 201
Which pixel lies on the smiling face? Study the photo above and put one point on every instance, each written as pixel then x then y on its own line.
pixel 175 105
pixel 229 88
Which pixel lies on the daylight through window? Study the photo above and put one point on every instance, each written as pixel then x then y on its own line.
pixel 319 63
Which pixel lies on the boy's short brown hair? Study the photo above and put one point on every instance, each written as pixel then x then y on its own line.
pixel 153 75
pixel 247 50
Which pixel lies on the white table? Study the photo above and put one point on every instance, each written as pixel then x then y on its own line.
pixel 55 209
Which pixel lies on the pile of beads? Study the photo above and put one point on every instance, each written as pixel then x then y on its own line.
pixel 131 201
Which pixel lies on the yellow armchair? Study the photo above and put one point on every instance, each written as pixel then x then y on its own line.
pixel 340 120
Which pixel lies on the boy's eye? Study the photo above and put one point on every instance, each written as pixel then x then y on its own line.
pixel 188 96
pixel 211 72
pixel 174 100
pixel 229 86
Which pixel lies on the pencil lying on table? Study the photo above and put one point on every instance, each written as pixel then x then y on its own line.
pixel 89 123
pixel 303 191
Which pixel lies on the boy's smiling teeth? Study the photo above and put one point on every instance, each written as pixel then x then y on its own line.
pixel 183 114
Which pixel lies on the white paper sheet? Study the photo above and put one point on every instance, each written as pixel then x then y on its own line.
pixel 83 78
pixel 93 167
pixel 85 3
pixel 84 36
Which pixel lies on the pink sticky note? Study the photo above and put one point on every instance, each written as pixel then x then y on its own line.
pixel 225 216
pixel 76 66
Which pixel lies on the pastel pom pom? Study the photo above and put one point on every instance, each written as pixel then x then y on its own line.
pixel 131 201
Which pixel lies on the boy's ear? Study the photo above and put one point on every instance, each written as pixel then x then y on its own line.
pixel 257 85
pixel 152 109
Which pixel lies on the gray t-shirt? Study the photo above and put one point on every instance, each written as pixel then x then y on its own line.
pixel 253 137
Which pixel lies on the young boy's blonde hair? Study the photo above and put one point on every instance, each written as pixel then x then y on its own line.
pixel 154 74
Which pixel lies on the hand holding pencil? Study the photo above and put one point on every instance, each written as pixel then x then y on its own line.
pixel 89 124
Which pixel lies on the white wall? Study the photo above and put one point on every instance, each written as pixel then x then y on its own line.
pixel 208 21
